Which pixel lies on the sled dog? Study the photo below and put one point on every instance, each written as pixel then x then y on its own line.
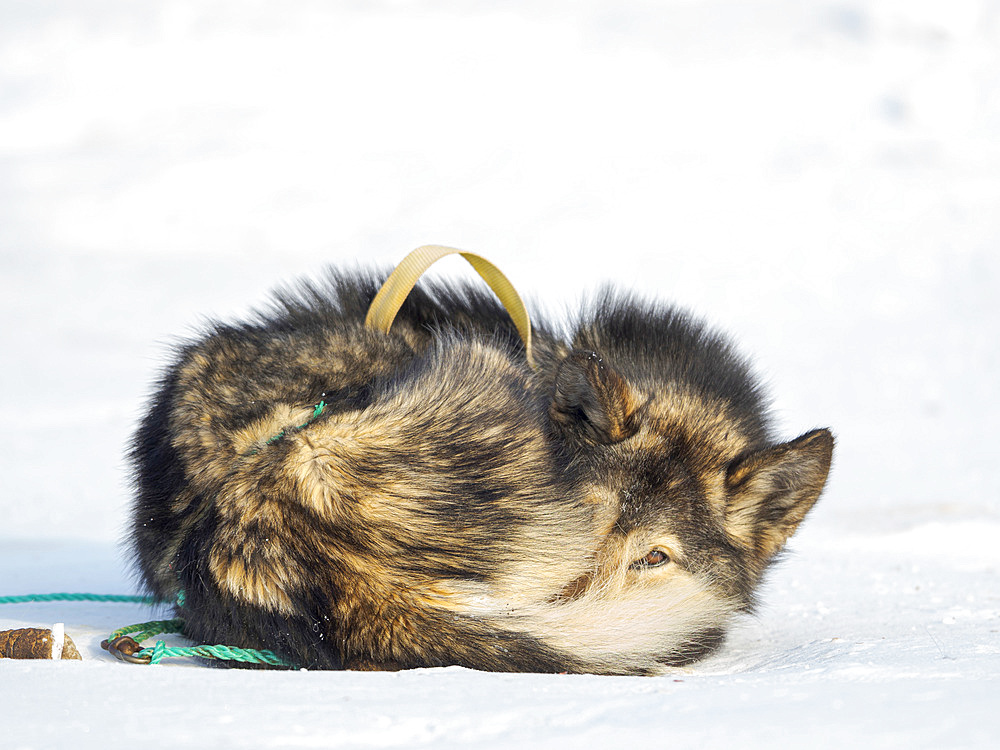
pixel 360 500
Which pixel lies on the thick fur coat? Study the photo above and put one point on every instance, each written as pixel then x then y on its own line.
pixel 351 499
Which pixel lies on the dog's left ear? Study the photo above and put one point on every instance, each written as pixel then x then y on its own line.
pixel 771 490
pixel 592 401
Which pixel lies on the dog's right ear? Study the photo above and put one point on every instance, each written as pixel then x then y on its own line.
pixel 591 400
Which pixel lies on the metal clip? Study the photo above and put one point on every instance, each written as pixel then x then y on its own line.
pixel 125 647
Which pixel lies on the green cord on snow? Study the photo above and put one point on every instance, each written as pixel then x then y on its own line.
pixel 157 652
pixel 79 598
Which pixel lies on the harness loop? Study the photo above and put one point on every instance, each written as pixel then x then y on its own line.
pixel 401 281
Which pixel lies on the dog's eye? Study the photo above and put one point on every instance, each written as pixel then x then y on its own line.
pixel 654 559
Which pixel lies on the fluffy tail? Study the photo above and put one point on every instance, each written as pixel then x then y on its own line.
pixel 641 629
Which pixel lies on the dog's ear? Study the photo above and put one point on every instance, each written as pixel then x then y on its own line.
pixel 771 490
pixel 592 401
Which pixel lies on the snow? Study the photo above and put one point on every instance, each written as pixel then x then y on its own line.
pixel 819 178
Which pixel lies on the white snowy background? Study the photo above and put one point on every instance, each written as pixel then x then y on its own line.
pixel 821 178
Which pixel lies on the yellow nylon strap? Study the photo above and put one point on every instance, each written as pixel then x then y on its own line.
pixel 397 287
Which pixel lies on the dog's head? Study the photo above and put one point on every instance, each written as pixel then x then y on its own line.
pixel 692 500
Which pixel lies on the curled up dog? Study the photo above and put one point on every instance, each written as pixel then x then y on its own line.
pixel 356 499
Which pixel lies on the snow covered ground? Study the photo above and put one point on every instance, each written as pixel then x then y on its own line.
pixel 820 178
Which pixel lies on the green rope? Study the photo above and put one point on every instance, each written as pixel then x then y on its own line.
pixel 144 630
pixel 159 651
pixel 79 598
pixel 149 629
pixel 226 653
